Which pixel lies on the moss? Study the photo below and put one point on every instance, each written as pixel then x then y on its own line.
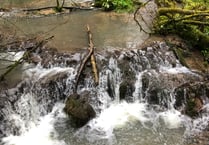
pixel 165 3
pixel 182 20
pixel 190 108
pixel 117 5
pixel 180 55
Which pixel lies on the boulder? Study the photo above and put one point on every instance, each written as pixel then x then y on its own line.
pixel 79 110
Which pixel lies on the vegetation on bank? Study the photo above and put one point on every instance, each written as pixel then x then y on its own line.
pixel 189 19
pixel 117 5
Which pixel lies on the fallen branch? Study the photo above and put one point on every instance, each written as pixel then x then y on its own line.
pixel 11 67
pixel 86 58
pixel 24 57
pixel 39 9
pixel 80 69
pixel 93 60
pixel 54 7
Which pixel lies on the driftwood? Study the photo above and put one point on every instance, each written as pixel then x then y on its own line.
pixel 53 7
pixel 93 60
pixel 24 57
pixel 91 56
pixel 70 8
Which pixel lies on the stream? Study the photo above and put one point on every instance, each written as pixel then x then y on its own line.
pixel 144 114
pixel 110 30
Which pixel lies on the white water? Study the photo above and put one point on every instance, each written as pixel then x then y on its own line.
pixel 117 116
pixel 41 134
pixel 119 122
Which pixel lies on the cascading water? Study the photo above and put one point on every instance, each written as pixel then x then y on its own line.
pixel 134 101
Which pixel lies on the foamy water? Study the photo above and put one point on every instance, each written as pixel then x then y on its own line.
pixel 118 122
pixel 41 134
pixel 116 116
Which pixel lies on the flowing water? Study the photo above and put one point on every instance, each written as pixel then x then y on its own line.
pixel 34 115
pixel 109 30
pixel 32 111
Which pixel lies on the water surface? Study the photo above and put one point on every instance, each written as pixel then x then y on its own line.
pixel 109 30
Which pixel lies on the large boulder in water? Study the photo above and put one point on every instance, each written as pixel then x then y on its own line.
pixel 79 110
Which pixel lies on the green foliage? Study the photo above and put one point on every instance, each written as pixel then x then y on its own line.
pixel 117 5
pixel 205 53
pixel 192 26
pixel 190 108
pixel 196 4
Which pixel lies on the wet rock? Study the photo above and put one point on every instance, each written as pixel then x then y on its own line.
pixel 193 106
pixel 78 109
pixel 191 95
pixel 126 89
pixel 110 87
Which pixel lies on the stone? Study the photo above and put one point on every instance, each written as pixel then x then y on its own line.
pixel 126 90
pixel 191 95
pixel 79 110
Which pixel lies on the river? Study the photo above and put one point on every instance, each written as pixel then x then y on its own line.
pixel 147 115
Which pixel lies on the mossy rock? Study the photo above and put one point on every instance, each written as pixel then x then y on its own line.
pixel 181 55
pixel 192 96
pixel 193 106
pixel 79 110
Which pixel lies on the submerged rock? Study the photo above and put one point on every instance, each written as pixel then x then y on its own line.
pixel 79 110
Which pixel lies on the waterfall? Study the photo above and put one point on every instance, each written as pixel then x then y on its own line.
pixel 134 101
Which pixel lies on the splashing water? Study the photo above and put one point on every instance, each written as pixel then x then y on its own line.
pixel 139 121
pixel 41 134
